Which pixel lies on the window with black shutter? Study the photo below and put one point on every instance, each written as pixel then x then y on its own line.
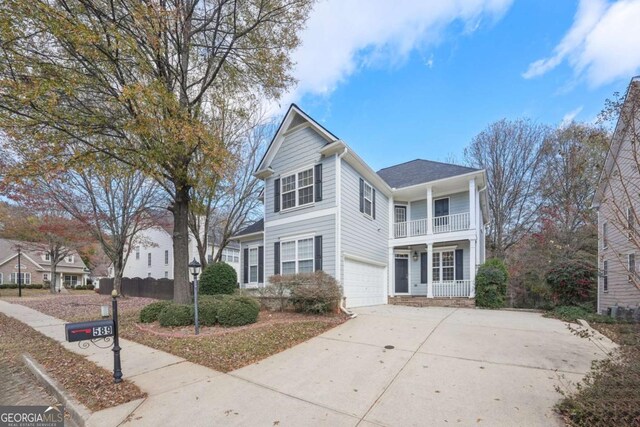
pixel 423 267
pixel 318 253
pixel 318 184
pixel 459 265
pixel 276 258
pixel 276 195
pixel 245 265
pixel 260 264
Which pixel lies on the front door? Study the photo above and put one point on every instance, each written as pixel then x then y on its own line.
pixel 402 275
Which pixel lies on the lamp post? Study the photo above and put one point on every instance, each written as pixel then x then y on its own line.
pixel 195 270
pixel 19 272
pixel 117 366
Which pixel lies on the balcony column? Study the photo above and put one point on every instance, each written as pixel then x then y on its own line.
pixel 472 203
pixel 429 210
pixel 473 260
pixel 429 270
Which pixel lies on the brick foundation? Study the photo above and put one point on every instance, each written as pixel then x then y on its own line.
pixel 433 302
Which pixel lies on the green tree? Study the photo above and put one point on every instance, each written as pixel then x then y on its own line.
pixel 137 81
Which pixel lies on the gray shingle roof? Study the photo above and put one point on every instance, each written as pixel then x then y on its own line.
pixel 256 227
pixel 419 171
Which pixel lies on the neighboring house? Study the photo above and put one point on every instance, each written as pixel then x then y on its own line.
pixel 153 256
pixel 617 200
pixel 413 229
pixel 35 266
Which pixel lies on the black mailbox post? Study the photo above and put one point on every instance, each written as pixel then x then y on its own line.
pixel 89 330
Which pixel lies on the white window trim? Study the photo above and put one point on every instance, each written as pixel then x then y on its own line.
pixel 296 259
pixel 296 189
pixel 26 277
pixel 364 199
pixel 256 265
pixel 440 266
pixel 448 198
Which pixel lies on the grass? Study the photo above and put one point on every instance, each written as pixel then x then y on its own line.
pixel 573 313
pixel 29 293
pixel 88 383
pixel 610 393
pixel 222 349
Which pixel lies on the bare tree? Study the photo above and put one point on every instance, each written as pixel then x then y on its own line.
pixel 512 153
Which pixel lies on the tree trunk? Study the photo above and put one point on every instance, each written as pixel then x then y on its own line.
pixel 180 211
pixel 52 284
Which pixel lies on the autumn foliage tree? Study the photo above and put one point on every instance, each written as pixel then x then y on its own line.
pixel 135 80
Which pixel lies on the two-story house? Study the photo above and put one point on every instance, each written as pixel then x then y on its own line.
pixel 617 200
pixel 413 229
pixel 152 255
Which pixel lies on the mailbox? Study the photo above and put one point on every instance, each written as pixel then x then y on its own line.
pixel 81 331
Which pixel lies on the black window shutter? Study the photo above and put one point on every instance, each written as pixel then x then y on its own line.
pixel 245 266
pixel 276 258
pixel 260 264
pixel 318 253
pixel 318 190
pixel 361 195
pixel 373 202
pixel 276 195
pixel 423 267
pixel 459 265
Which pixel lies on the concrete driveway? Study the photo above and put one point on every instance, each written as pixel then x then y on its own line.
pixel 392 366
pixel 447 367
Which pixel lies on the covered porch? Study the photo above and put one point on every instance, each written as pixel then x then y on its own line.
pixel 433 270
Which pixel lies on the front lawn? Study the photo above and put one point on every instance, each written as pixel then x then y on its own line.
pixel 88 383
pixel 30 293
pixel 219 348
pixel 610 393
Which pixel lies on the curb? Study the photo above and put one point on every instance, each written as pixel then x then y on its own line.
pixel 79 413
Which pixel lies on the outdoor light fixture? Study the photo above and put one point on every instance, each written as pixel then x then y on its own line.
pixel 415 255
pixel 195 269
pixel 104 310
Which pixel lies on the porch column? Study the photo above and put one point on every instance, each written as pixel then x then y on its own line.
pixel 429 270
pixel 429 210
pixel 472 203
pixel 391 269
pixel 473 261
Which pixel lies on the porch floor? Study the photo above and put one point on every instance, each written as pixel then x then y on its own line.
pixel 423 301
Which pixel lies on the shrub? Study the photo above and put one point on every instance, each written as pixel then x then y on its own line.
pixel 316 293
pixel 90 286
pixel 238 311
pixel 208 309
pixel 573 313
pixel 218 278
pixel 176 315
pixel 491 284
pixel 150 312
pixel 572 282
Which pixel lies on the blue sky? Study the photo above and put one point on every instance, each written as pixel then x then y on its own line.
pixel 422 78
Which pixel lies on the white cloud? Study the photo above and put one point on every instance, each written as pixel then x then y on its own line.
pixel 344 36
pixel 570 116
pixel 601 46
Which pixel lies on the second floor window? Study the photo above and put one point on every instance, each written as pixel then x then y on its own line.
pixel 137 252
pixel 631 266
pixel 166 257
pixel 605 236
pixel 368 199
pixel 297 189
pixel 605 276
pixel 630 221
pixel 47 256
pixel 149 259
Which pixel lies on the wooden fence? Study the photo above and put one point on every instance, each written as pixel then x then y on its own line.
pixel 137 287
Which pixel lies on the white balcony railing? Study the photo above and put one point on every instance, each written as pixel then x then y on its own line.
pixel 452 289
pixel 441 224
pixel 448 223
pixel 410 228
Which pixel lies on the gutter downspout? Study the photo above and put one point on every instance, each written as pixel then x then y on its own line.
pixel 339 228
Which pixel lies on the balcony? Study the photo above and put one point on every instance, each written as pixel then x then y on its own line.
pixel 440 224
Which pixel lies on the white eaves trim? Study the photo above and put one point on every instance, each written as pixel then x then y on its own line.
pixel 25 256
pixel 364 260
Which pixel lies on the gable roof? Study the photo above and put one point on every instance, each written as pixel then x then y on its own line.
pixel 419 171
pixel 32 251
pixel 256 227
pixel 294 117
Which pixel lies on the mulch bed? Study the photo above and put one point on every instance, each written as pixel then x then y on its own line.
pixel 90 384
pixel 266 318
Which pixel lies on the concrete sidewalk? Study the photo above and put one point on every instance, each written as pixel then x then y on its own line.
pixel 392 365
pixel 192 394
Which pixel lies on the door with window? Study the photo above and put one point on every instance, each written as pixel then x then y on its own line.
pixel 441 214
pixel 400 221
pixel 402 274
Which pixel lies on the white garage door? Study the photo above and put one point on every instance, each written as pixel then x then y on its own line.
pixel 364 283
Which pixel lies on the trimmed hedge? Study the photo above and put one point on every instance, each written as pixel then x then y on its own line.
pixel 15 286
pixel 238 311
pixel 218 278
pixel 176 315
pixel 208 309
pixel 150 312
pixel 491 284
